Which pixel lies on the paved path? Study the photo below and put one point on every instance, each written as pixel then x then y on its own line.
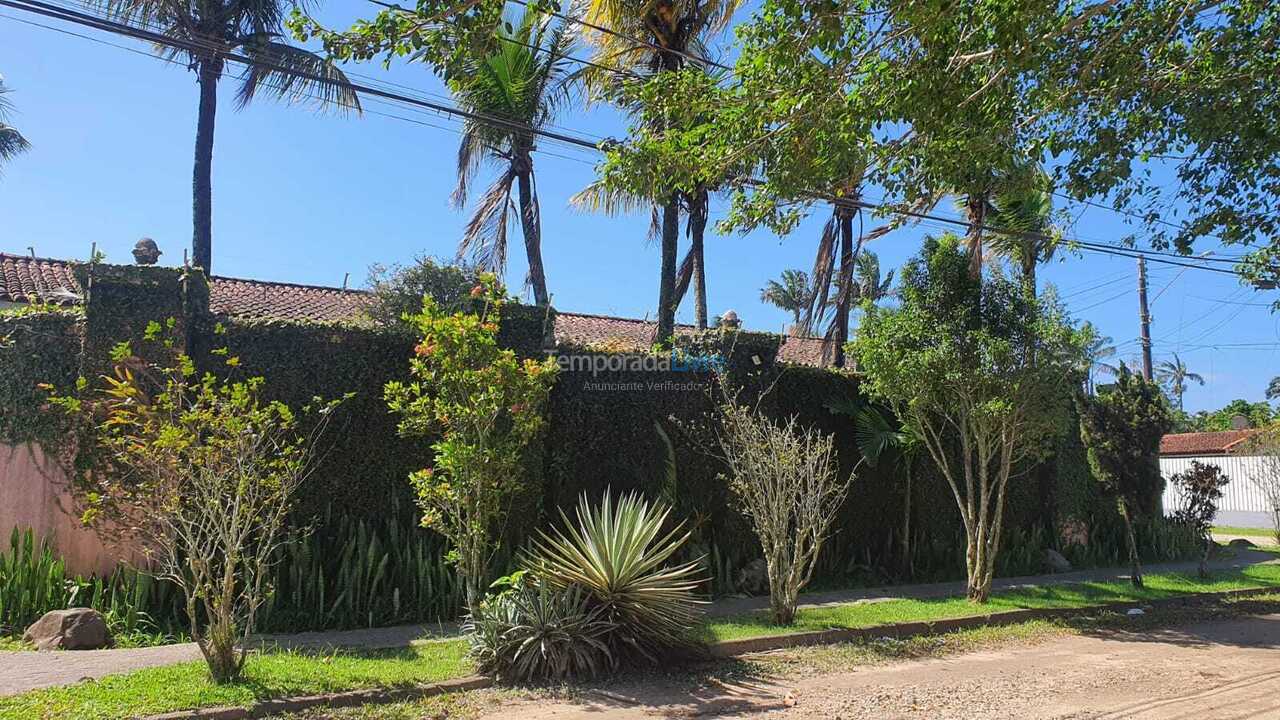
pixel 22 671
pixel 1224 670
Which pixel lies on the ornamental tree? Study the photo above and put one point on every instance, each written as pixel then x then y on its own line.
pixel 482 406
pixel 1199 490
pixel 197 472
pixel 1121 427
pixel 975 369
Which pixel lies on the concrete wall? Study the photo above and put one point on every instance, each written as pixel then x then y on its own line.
pixel 33 494
pixel 1243 503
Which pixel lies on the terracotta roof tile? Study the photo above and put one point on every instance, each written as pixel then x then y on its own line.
pixel 23 279
pixel 30 279
pixel 1204 443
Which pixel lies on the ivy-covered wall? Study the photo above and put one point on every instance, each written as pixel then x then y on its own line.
pixel 601 427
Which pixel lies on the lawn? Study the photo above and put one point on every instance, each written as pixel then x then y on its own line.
pixel 870 614
pixel 1243 531
pixel 268 675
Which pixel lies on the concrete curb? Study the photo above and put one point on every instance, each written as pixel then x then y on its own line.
pixel 331 700
pixel 902 631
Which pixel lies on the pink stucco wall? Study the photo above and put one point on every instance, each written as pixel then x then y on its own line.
pixel 33 494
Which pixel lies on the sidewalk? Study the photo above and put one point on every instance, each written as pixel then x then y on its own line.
pixel 23 671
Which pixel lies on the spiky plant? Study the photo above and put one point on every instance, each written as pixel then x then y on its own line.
pixel 11 141
pixel 618 552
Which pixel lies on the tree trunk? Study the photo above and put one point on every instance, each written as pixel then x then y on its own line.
pixel 667 281
pixel 1204 559
pixel 976 207
pixel 531 224
pixel 845 290
pixel 1132 540
pixel 208 72
pixel 698 227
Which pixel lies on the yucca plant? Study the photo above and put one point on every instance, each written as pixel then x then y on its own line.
pixel 537 632
pixel 618 553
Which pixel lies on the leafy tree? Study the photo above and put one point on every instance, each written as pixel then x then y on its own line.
pixel 1121 428
pixel 1273 388
pixel 1098 348
pixel 523 79
pixel 484 406
pixel 12 143
pixel 398 290
pixel 1259 415
pixel 1173 374
pixel 200 474
pixel 789 292
pixel 210 28
pixel 974 368
pixel 1199 490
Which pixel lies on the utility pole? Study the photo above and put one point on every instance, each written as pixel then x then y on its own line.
pixel 1144 316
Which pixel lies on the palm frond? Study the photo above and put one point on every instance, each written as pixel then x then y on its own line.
pixel 11 143
pixel 823 275
pixel 484 240
pixel 294 75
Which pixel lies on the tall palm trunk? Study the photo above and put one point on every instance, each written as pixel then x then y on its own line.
pixel 976 208
pixel 698 225
pixel 667 281
pixel 209 71
pixel 848 257
pixel 531 224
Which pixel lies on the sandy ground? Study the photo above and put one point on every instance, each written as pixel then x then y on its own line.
pixel 1213 671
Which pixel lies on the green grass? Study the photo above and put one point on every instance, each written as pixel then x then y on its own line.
pixel 267 675
pixel 9 643
pixel 1243 531
pixel 1081 595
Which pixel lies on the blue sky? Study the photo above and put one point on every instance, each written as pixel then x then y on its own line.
pixel 307 198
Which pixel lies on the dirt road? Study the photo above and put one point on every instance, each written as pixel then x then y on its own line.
pixel 1213 671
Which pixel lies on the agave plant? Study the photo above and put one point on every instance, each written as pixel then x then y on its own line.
pixel 536 632
pixel 618 553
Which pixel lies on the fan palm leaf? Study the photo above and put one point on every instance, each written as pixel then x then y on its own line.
pixel 12 143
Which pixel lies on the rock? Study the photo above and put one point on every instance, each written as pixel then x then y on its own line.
pixel 72 629
pixel 754 578
pixel 1241 543
pixel 1135 612
pixel 1055 562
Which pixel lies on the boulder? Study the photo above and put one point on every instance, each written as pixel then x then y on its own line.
pixel 72 629
pixel 1055 562
pixel 754 578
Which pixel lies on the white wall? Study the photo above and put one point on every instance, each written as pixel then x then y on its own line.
pixel 1243 503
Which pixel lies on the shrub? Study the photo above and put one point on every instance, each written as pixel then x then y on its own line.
pixel 1122 427
pixel 1199 489
pixel 534 631
pixel 200 473
pixel 486 406
pixel 788 483
pixel 617 553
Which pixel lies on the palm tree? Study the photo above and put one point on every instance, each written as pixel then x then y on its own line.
pixel 868 285
pixel 207 31
pixel 523 79
pixel 11 141
pixel 1024 205
pixel 672 33
pixel 1273 388
pixel 1174 375
pixel 790 292
pixel 1098 348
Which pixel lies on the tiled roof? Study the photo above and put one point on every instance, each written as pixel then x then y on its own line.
pixel 1204 443
pixel 23 279
pixel 32 279
pixel 283 301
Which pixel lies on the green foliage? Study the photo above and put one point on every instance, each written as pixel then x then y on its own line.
pixel 619 554
pixel 398 290
pixel 39 345
pixel 974 368
pixel 1259 415
pixel 1199 490
pixel 352 572
pixel 486 407
pixel 534 632
pixel 1122 427
pixel 139 609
